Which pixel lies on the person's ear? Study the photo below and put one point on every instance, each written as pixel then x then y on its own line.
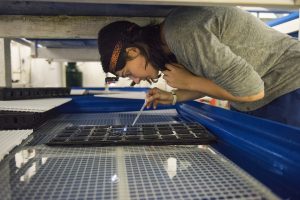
pixel 132 52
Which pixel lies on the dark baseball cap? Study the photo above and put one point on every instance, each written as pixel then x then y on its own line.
pixel 113 39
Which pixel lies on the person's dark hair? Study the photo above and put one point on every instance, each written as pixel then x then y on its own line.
pixel 114 38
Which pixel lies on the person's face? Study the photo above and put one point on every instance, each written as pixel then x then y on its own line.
pixel 136 69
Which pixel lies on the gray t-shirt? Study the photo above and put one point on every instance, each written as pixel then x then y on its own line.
pixel 235 50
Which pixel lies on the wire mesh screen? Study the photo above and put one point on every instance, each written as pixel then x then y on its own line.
pixel 37 171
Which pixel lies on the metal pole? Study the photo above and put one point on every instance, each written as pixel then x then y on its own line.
pixel 5 63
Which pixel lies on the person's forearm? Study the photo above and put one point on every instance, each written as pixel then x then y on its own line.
pixel 209 88
pixel 186 95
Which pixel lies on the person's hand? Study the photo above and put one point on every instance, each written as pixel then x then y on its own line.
pixel 156 96
pixel 177 76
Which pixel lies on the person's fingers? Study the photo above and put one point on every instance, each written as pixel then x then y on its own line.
pixel 148 104
pixel 155 103
pixel 163 102
pixel 154 97
pixel 150 93
pixel 169 67
pixel 153 91
pixel 165 77
pixel 166 72
pixel 177 65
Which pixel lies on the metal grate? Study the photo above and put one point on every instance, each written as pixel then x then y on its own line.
pixel 146 134
pixel 35 105
pixel 10 139
pixel 23 120
pixel 32 93
pixel 126 173
pixel 61 122
pixel 187 173
pixel 140 172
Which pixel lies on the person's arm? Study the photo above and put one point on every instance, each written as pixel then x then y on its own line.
pixel 196 87
pixel 211 89
pixel 156 96
pixel 178 77
pixel 186 95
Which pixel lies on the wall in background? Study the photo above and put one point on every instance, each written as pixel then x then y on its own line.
pixel 46 74
pixel 21 65
pixel 32 72
pixel 92 73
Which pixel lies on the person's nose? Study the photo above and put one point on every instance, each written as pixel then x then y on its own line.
pixel 136 80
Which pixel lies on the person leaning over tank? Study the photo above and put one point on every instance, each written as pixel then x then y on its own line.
pixel 221 52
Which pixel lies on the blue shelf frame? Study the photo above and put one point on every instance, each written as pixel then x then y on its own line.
pixel 91 104
pixel 291 16
pixel 268 150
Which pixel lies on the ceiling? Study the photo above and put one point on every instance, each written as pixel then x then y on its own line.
pixel 39 8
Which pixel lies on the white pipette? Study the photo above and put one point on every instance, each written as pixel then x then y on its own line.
pixel 139 113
